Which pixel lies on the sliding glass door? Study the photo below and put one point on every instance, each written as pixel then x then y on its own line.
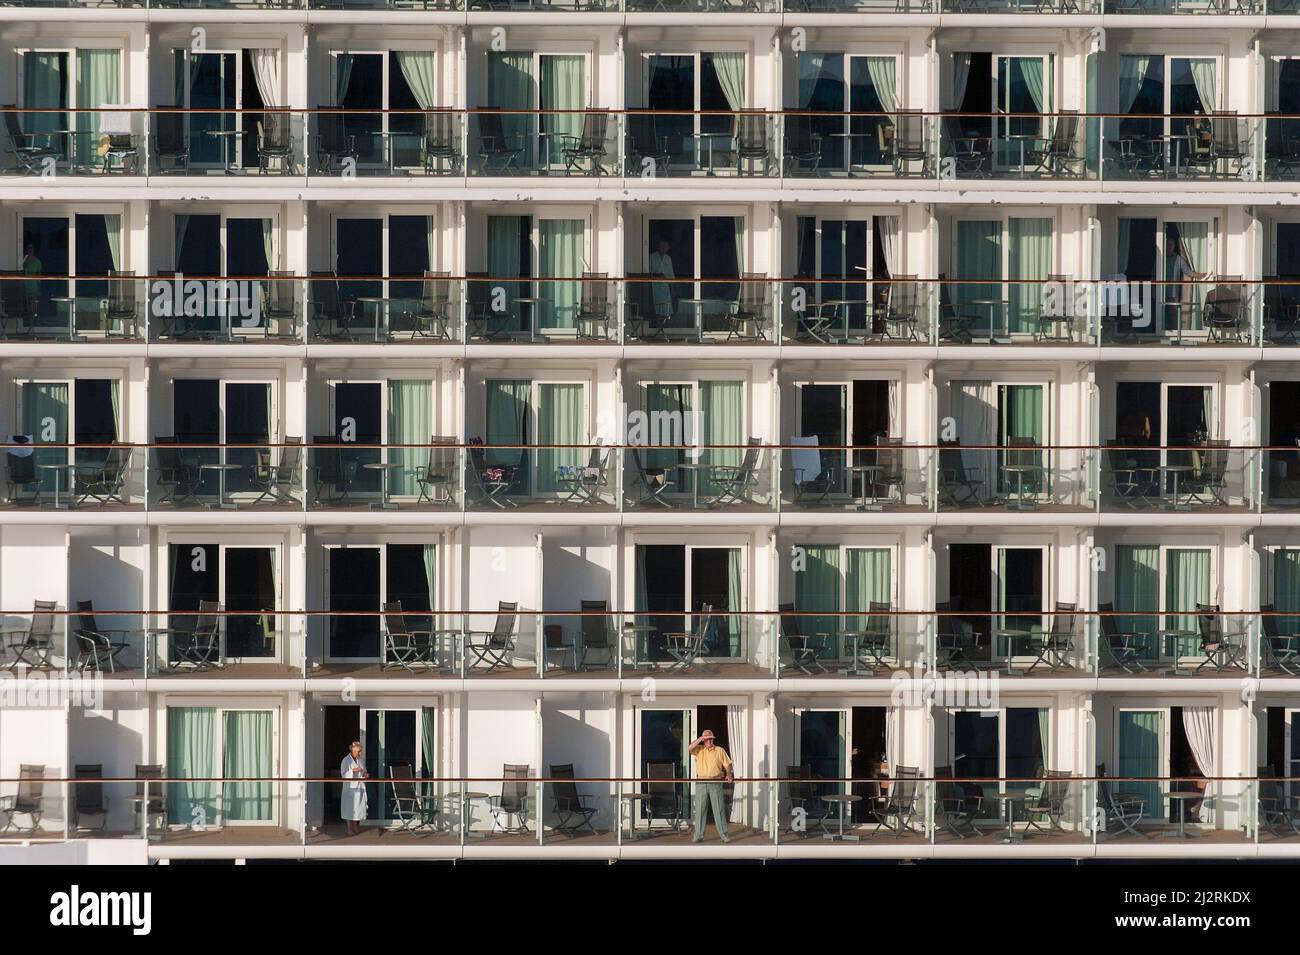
pixel 361 579
pixel 680 251
pixel 556 412
pixel 1142 751
pixel 381 263
pixel 207 742
pixel 1008 261
pixel 81 79
pixel 87 246
pixel 384 92
pixel 1008 747
pixel 84 411
pixel 243 580
pixel 832 578
pixel 710 414
pixel 824 744
pixel 392 412
pixel 554 252
pixel 837 82
pixel 210 245
pixel 551 83
pixel 1158 588
pixel 207 412
pixel 683 89
pixel 674 581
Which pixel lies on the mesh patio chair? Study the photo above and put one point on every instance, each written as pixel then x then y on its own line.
pixel 28 801
pixel 438 479
pixel 877 638
pixel 902 315
pixel 89 804
pixel 497 152
pixel 198 648
pixel 495 647
pixel 34 647
pixel 1123 810
pixel 960 804
pixel 123 308
pixel 572 810
pixel 955 641
pixel 909 142
pixel 1059 156
pixel 331 317
pixel 150 799
pixel 1124 648
pixel 23 484
pixel 17 314
pixel 1132 484
pixel 959 485
pixel 1225 144
pixel 652 481
pixel 1279 810
pixel 803 652
pixel 1225 315
pixel 813 477
pixel 433 313
pixel 801 147
pixel 490 483
pixel 171 147
pixel 96 648
pixel 894 812
pixel 666 797
pixel 33 152
pixel 647 151
pixel 591 146
pixel 585 484
pixel 889 484
pixel 1280 650
pixel 334 144
pixel 1207 484
pixel 278 482
pixel 275 143
pixel 592 322
pixel 1055 646
pixel 807 809
pixel 1223 649
pixel 596 633
pixel 748 320
pixel 512 804
pixel 279 305
pixel 410 807
pixel 734 483
pixel 752 142
pixel 333 473
pixel 1046 803
pixel 687 647
pixel 403 647
pixel 440 143
pixel 103 483
pixel 955 325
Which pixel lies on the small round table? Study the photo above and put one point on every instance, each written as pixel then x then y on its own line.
pixel 634 801
pixel 467 813
pixel 862 476
pixel 222 468
pixel 1009 801
pixel 843 800
pixel 383 467
pixel 1011 635
pixel 1182 799
pixel 1172 636
pixel 1020 502
pixel 58 470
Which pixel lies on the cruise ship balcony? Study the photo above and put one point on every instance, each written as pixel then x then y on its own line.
pixel 1065 7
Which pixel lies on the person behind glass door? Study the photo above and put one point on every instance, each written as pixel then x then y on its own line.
pixel 712 769
pixel 661 264
pixel 353 802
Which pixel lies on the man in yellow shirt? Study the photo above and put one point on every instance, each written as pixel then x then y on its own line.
pixel 712 769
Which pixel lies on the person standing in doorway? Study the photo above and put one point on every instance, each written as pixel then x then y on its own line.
pixel 712 770
pixel 353 803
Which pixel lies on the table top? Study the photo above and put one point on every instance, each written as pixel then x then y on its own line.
pixel 842 797
pixel 477 795
pixel 55 467
pixel 220 466
pixel 381 465
pixel 1176 467
pixel 632 797
pixel 1183 794
pixel 1011 632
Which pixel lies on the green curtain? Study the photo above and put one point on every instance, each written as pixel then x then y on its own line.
pixel 98 74
pixel 559 421
pixel 561 256
pixel 44 87
pixel 428 746
pixel 247 752
pixel 1140 741
pixel 1021 408
pixel 505 243
pixel 563 88
pixel 45 418
pixel 1286 588
pixel 639 586
pixel 1192 257
pixel 722 418
pixel 979 256
pixel 1187 583
pixel 431 573
pixel 510 86
pixel 668 411
pixel 1030 257
pixel 191 755
pixel 1137 592
pixel 507 419
pixel 410 421
pixel 817 590
pixel 866 579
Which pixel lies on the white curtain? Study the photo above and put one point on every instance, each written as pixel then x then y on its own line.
pixel 974 407
pixel 881 70
pixel 1198 722
pixel 266 74
pixel 730 70
pixel 1203 77
pixel 893 752
pixel 887 227
pixel 960 74
pixel 1133 70
pixel 343 77
pixel 736 737
pixel 268 243
pixel 417 70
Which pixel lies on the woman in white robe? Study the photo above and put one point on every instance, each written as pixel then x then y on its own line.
pixel 353 804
